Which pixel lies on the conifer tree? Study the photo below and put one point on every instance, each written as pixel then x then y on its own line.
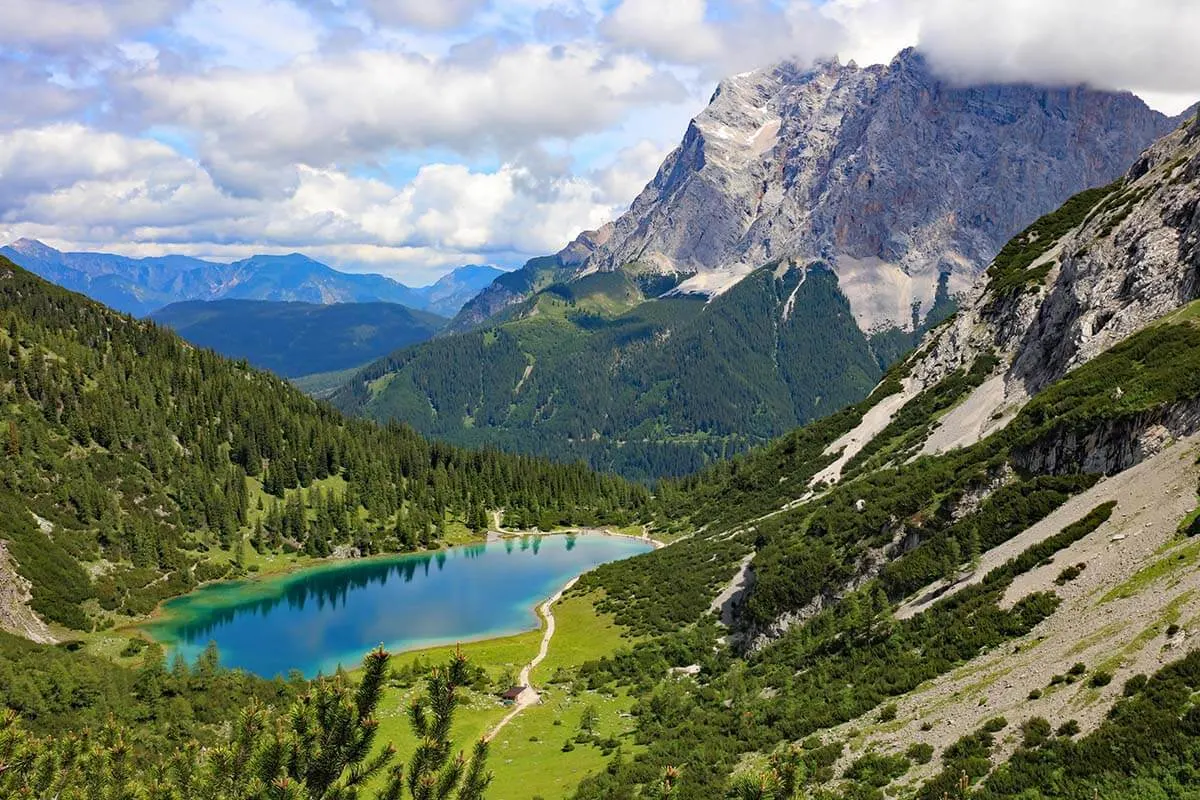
pixel 322 748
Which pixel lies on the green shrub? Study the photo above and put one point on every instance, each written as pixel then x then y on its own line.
pixel 1035 732
pixel 133 647
pixel 1068 728
pixel 1134 685
pixel 1070 573
pixel 919 753
pixel 877 770
pixel 995 724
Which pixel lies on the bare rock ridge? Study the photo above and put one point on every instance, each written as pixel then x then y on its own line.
pixel 887 172
pixel 1132 257
pixel 1111 263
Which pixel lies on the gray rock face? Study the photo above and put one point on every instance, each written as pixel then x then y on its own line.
pixel 1134 259
pixel 1113 447
pixel 887 172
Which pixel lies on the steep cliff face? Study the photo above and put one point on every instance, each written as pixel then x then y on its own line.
pixel 1080 281
pixel 1136 258
pixel 1077 354
pixel 890 174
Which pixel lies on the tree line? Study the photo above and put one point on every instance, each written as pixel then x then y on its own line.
pixel 163 462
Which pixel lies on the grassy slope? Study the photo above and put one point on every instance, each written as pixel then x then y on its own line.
pixel 323 384
pixel 527 758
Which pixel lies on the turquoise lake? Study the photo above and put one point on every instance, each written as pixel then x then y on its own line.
pixel 318 618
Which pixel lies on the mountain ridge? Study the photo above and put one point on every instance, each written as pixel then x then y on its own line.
pixel 294 339
pixel 142 285
pixel 903 186
pixel 820 164
pixel 646 388
pixel 996 616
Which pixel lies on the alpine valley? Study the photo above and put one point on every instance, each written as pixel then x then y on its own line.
pixel 811 225
pixel 952 334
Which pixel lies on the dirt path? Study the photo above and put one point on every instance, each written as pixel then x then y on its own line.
pixel 737 584
pixel 530 696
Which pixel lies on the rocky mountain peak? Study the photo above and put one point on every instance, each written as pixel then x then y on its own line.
pixel 888 172
pixel 34 248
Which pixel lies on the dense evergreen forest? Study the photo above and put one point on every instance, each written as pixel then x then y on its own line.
pixel 296 339
pixel 152 466
pixel 660 389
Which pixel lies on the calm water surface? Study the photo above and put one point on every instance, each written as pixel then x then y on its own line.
pixel 315 619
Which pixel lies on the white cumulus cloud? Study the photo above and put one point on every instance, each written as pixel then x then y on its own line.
pixel 251 33
pixel 60 23
pixel 433 14
pixel 227 127
pixel 723 37
pixel 87 189
pixel 362 105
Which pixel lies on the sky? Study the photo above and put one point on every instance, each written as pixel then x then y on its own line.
pixel 408 137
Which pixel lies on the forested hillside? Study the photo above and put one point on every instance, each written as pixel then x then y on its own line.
pixel 150 466
pixel 297 339
pixel 829 577
pixel 661 389
pixel 89 729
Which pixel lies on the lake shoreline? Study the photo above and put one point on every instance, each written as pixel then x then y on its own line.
pixel 263 591
pixel 135 625
pixel 501 534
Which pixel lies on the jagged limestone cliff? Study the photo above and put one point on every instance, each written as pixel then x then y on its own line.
pixel 887 172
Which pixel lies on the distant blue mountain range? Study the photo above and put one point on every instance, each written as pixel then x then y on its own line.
pixel 142 285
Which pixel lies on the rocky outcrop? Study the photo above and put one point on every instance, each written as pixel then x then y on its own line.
pixel 1133 259
pixel 1112 447
pixel 1069 288
pixel 513 287
pixel 890 174
pixel 16 616
pixel 1136 259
